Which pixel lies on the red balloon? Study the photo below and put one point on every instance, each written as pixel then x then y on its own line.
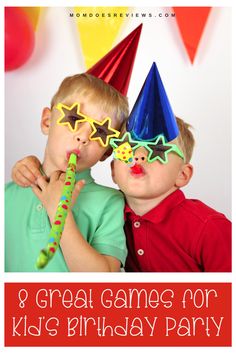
pixel 19 38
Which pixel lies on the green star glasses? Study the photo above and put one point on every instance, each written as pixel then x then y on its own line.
pixel 158 149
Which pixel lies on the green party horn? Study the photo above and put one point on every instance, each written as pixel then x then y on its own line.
pixel 63 207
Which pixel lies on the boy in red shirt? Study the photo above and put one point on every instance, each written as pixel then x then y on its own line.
pixel 165 232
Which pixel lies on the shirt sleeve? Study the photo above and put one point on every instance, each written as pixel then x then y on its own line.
pixel 214 248
pixel 109 238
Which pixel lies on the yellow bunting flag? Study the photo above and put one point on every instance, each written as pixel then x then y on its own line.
pixel 98 29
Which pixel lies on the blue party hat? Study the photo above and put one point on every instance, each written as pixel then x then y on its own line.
pixel 152 114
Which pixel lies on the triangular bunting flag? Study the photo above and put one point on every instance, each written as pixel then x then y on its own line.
pixel 191 22
pixel 98 31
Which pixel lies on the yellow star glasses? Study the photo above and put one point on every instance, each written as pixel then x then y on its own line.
pixel 72 116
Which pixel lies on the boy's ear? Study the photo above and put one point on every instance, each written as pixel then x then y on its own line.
pixel 184 175
pixel 107 154
pixel 46 120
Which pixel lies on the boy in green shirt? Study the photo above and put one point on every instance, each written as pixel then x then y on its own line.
pixel 93 238
pixel 85 113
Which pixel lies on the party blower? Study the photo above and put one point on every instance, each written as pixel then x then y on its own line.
pixel 63 207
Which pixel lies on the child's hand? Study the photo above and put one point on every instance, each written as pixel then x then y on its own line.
pixel 49 193
pixel 26 171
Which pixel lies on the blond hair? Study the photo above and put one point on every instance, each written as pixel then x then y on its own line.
pixel 185 139
pixel 105 96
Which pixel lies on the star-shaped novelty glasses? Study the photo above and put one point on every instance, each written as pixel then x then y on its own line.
pixel 157 149
pixel 101 131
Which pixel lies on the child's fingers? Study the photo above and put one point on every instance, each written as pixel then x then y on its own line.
pixel 29 167
pixel 62 176
pixel 22 175
pixel 41 182
pixel 34 170
pixel 21 180
pixel 78 186
pixel 37 191
pixel 55 176
pixel 27 173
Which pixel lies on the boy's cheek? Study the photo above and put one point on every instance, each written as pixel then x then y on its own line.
pixel 116 170
pixel 119 171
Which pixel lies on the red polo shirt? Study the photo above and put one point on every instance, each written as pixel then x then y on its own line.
pixel 178 235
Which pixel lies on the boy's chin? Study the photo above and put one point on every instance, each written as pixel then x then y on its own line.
pixel 143 194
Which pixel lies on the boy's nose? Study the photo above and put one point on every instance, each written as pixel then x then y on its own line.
pixel 82 140
pixel 83 133
pixel 140 155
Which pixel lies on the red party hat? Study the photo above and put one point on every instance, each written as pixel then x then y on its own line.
pixel 116 66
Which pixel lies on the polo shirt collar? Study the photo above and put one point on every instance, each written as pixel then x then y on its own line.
pixel 86 175
pixel 159 212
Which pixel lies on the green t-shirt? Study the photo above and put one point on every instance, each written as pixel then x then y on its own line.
pixel 98 213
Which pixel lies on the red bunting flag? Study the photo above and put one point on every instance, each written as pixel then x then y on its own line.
pixel 191 22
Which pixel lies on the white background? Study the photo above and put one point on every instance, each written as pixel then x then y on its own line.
pixel 193 96
pixel 199 93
